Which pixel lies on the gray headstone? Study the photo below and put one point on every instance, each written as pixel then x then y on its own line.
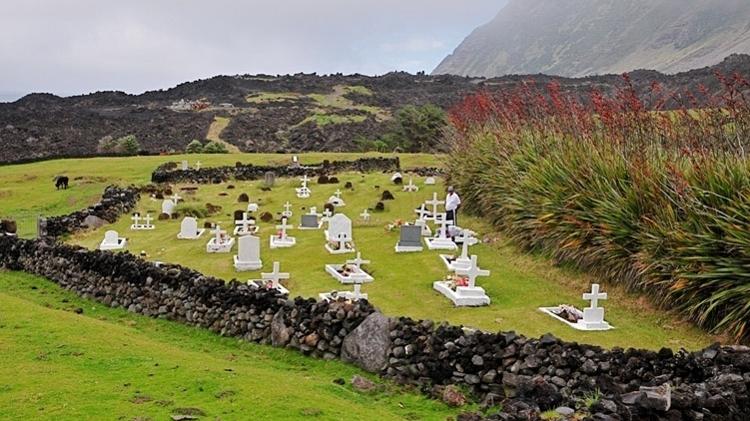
pixel 269 179
pixel 310 221
pixel 411 236
pixel 368 345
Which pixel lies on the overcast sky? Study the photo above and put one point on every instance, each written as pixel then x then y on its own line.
pixel 80 46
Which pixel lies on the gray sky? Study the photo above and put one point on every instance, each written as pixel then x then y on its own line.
pixel 79 46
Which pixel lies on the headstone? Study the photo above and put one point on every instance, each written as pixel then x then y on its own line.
pixel 435 202
pixel 112 241
pixel 220 242
pixel 310 222
pixel 339 234
pixel 397 178
pixel 167 207
pixel 138 226
pixel 429 181
pixel 273 279
pixel 410 239
pixel 287 213
pixel 245 226
pixel 184 165
pixel 248 254
pixel 281 239
pixel 198 165
pixel 469 294
pixel 269 179
pixel 365 215
pixel 252 207
pixel 411 187
pixel 593 315
pixel 441 242
pixel 189 229
pixel 463 261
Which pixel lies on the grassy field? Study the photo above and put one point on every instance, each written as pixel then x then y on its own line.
pixel 27 190
pixel 518 286
pixel 110 364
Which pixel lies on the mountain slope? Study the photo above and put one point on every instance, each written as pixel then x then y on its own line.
pixel 585 37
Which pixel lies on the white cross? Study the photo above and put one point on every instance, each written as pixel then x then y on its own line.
pixel 198 165
pixel 245 222
pixel 217 233
pixel 148 220
pixel 313 211
pixel 472 272
pixel 175 198
pixel 283 227
pixel 358 278
pixel 422 212
pixel 411 187
pixel 435 203
pixel 594 296
pixel 358 262
pixel 337 193
pixel 444 223
pixel 327 213
pixel 287 210
pixel 136 217
pixel 275 276
pixel 304 180
pixel 464 237
pixel 365 215
pixel 357 293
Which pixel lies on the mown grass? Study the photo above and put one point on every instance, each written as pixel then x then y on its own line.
pixel 27 190
pixel 109 364
pixel 518 286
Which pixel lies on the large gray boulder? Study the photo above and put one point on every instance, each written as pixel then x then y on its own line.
pixel 368 345
pixel 93 222
pixel 280 333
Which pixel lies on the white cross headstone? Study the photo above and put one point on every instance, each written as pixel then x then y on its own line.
pixel 472 272
pixel 136 219
pixel 411 187
pixel 594 314
pixel 304 180
pixel 337 193
pixel 175 198
pixel 365 215
pixel 444 223
pixel 275 276
pixel 435 202
pixel 283 227
pixel 287 213
pixel 148 220
pixel 184 165
pixel 242 226
pixel 358 262
pixel 198 165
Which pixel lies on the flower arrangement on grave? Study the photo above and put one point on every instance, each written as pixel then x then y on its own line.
pixel 568 312
pixel 395 225
pixel 455 281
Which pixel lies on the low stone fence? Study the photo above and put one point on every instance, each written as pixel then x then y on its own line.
pixel 115 202
pixel 169 172
pixel 525 375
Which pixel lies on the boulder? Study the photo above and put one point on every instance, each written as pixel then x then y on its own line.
pixel 280 334
pixel 367 346
pixel 94 222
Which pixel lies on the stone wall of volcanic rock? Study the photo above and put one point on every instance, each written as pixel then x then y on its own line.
pixel 115 202
pixel 169 173
pixel 525 375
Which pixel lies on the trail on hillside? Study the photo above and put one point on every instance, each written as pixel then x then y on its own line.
pixel 214 133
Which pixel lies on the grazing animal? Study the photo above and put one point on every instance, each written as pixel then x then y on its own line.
pixel 61 182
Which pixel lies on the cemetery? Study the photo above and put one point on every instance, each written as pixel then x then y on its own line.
pixel 471 287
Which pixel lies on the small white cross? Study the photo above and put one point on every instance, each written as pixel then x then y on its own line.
pixel 464 237
pixel 422 212
pixel 358 262
pixel 245 222
pixel 198 165
pixel 594 296
pixel 275 276
pixel 435 203
pixel 175 198
pixel 357 293
pixel 304 180
pixel 313 211
pixel 148 220
pixel 283 227
pixel 287 210
pixel 444 223
pixel 337 193
pixel 327 213
pixel 365 215
pixel 136 218
pixel 472 272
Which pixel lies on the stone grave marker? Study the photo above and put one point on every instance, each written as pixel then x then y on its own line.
pixel 112 241
pixel 410 239
pixel 248 254
pixel 189 229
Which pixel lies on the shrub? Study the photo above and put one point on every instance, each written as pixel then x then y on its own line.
pixel 195 146
pixel 127 145
pixel 655 199
pixel 214 147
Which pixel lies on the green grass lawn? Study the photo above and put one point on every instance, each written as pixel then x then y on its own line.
pixel 519 284
pixel 110 364
pixel 27 190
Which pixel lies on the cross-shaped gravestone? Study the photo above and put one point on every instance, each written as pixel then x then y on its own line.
pixel 313 211
pixel 283 227
pixel 198 165
pixel 136 218
pixel 435 202
pixel 411 187
pixel 358 262
pixel 422 212
pixel 184 165
pixel 357 293
pixel 287 213
pixel 594 296
pixel 444 223
pixel 337 193
pixel 304 180
pixel 148 220
pixel 216 231
pixel 175 198
pixel 464 238
pixel 275 276
pixel 327 213
pixel 245 222
pixel 365 215
pixel 472 272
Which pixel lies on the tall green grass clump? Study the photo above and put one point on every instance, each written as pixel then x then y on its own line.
pixel 656 200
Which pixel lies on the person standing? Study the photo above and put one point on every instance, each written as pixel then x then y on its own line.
pixel 452 203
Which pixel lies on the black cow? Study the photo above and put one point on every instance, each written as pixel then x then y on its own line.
pixel 61 182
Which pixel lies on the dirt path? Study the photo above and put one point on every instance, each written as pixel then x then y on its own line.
pixel 214 133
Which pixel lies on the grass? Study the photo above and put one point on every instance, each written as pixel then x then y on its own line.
pixel 323 119
pixel 518 286
pixel 107 363
pixel 214 133
pixel 270 97
pixel 27 190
